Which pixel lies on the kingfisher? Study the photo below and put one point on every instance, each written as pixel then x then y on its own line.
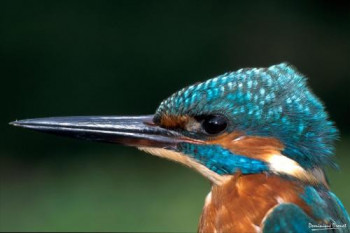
pixel 259 135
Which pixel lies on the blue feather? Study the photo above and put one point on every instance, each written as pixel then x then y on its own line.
pixel 326 210
pixel 222 161
pixel 287 218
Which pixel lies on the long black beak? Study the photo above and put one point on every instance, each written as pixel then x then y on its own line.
pixel 132 131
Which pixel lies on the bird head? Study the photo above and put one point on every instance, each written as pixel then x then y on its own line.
pixel 254 120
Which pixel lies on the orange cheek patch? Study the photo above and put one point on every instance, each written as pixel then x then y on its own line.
pixel 171 121
pixel 251 146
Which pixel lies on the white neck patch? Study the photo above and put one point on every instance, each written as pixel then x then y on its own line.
pixel 281 164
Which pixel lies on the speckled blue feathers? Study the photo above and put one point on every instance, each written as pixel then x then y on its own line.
pixel 222 161
pixel 271 102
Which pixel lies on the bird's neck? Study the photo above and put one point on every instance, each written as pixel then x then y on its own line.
pixel 241 203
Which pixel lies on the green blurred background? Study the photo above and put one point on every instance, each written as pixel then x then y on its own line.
pixel 123 57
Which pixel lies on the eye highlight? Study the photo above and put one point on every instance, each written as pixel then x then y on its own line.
pixel 213 124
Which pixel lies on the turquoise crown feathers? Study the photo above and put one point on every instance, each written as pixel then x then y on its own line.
pixel 271 102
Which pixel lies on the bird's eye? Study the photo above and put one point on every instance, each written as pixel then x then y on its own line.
pixel 214 124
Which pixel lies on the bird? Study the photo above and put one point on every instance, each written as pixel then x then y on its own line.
pixel 259 135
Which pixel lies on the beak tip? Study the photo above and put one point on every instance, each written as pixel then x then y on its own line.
pixel 14 123
pixel 17 123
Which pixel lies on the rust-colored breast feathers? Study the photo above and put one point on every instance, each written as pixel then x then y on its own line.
pixel 241 204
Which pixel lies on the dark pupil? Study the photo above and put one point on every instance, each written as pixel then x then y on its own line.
pixel 214 124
